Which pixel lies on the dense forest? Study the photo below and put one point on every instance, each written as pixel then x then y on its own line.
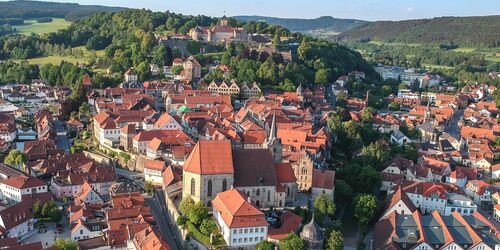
pixel 463 31
pixel 418 56
pixel 318 27
pixel 38 9
pixel 128 40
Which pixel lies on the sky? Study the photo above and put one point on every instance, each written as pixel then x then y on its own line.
pixel 370 10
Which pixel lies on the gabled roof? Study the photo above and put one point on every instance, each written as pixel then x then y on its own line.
pixel 210 157
pixel 236 211
pixel 323 179
pixel 22 182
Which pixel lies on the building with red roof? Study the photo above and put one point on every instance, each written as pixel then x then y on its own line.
pixel 242 224
pixel 14 188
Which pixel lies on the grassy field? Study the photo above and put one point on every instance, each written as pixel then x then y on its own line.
pixel 395 44
pixel 31 26
pixel 55 59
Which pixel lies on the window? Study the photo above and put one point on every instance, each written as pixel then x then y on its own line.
pixel 268 195
pixel 258 192
pixel 246 230
pixel 251 230
pixel 261 229
pixel 81 231
pixel 235 231
pixel 224 185
pixel 209 188
pixel 193 186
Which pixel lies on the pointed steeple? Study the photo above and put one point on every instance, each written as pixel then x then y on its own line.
pixel 273 131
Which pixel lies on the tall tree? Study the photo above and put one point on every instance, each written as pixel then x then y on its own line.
pixel 364 208
pixel 335 241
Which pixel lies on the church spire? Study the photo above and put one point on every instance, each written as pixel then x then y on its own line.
pixel 272 132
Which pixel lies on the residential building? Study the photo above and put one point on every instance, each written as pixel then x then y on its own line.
pixel 240 222
pixel 435 231
pixel 153 171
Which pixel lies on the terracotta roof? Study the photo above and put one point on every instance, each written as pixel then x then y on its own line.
pixel 16 214
pixel 154 164
pixel 171 175
pixel 290 222
pixel 284 173
pixel 22 182
pixel 400 195
pixel 323 179
pixel 210 157
pixel 236 211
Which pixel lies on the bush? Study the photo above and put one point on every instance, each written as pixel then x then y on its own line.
pixel 181 220
pixel 208 226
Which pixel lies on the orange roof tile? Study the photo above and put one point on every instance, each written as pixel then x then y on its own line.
pixel 210 157
pixel 236 211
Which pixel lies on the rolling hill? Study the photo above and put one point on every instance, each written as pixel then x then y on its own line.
pixel 319 27
pixel 474 31
pixel 37 9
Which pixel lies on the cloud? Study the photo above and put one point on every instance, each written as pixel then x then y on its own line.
pixel 410 9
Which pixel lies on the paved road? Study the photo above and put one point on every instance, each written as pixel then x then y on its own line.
pixel 159 210
pixel 452 127
pixel 62 139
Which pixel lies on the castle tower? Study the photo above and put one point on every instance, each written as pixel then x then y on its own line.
pixel 274 143
pixel 223 21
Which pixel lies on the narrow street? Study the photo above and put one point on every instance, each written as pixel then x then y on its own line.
pixel 159 210
pixel 62 139
pixel 452 127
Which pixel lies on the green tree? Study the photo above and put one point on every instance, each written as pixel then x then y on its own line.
pixel 198 213
pixel 186 204
pixel 394 106
pixel 148 186
pixel 66 244
pixel 208 226
pixel 162 56
pixel 321 77
pixel 265 245
pixel 367 114
pixel 15 158
pixel 364 208
pixel 292 242
pixel 335 241
pixel 325 204
pixel 342 190
pixel 177 69
pixel 375 151
pixel 276 40
pixel 55 214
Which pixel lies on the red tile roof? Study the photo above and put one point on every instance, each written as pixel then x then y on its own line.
pixel 323 179
pixel 22 182
pixel 236 211
pixel 210 157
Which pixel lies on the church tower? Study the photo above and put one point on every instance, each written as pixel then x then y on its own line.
pixel 274 143
pixel 427 114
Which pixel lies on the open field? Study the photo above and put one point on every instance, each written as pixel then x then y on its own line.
pixel 396 44
pixel 56 59
pixel 31 26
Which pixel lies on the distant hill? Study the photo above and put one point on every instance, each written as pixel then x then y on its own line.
pixel 37 9
pixel 319 27
pixel 463 31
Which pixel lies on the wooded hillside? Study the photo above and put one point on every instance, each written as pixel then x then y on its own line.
pixel 463 31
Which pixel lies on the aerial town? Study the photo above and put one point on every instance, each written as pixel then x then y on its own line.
pixel 178 150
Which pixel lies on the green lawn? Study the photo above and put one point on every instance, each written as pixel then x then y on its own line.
pixel 55 59
pixel 31 26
